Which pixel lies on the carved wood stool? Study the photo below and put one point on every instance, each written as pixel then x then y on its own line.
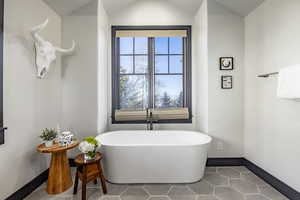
pixel 89 170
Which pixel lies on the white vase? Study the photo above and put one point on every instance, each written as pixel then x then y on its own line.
pixel 87 157
pixel 49 143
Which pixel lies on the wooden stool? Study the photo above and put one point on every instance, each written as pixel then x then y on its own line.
pixel 89 170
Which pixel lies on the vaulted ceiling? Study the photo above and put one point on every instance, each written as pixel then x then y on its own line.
pixel 67 7
pixel 113 6
pixel 241 7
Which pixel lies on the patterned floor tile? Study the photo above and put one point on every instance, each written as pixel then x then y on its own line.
pixel 135 193
pixel 228 193
pixel 270 192
pixel 244 186
pixel 216 179
pixel 255 197
pixel 158 189
pixel 228 172
pixel 110 198
pixel 214 186
pixel 201 187
pixel 210 170
pixel 159 198
pixel 241 169
pixel 210 197
pixel 115 189
pixel 181 193
pixel 253 178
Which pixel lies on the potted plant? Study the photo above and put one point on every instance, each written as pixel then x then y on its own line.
pixel 48 136
pixel 89 146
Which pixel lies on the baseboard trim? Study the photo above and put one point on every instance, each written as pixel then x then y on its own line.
pixel 72 162
pixel 214 162
pixel 29 187
pixel 273 181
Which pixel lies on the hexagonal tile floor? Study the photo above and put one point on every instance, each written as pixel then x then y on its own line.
pixel 218 183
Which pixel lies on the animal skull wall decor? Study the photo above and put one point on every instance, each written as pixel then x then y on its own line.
pixel 45 51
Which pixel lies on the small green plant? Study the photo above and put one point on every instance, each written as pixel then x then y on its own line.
pixel 48 134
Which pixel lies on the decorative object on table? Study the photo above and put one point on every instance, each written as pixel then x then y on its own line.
pixel 226 63
pixel 227 82
pixel 45 52
pixel 89 146
pixel 88 170
pixel 65 138
pixel 48 136
pixel 59 177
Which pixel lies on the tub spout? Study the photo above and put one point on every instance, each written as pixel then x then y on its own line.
pixel 150 120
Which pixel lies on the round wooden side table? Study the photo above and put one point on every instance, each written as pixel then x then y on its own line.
pixel 59 178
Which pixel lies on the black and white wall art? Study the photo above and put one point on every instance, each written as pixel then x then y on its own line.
pixel 226 63
pixel 226 82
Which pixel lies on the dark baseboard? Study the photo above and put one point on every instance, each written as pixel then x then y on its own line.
pixel 273 181
pixel 214 162
pixel 29 187
pixel 72 162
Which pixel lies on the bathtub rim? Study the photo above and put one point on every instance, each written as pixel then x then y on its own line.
pixel 208 142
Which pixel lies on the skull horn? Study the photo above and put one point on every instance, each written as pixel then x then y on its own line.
pixel 66 51
pixel 35 30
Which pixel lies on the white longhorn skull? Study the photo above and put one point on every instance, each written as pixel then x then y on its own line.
pixel 45 51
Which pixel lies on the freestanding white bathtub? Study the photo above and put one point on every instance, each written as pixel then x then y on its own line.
pixel 154 156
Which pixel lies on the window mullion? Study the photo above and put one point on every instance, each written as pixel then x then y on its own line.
pixel 151 71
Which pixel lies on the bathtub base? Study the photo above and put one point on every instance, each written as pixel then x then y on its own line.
pixel 154 156
pixel 154 165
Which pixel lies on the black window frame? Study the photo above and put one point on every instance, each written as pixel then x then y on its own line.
pixel 187 72
pixel 2 128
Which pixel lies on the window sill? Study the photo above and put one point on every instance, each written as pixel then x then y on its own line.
pixel 171 121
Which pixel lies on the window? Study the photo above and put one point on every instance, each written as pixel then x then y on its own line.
pixel 151 68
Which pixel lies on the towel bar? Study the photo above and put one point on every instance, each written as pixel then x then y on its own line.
pixel 267 75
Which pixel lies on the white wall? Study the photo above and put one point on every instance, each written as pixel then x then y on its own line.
pixel 225 107
pixel 30 104
pixel 200 55
pixel 147 12
pixel 103 63
pixel 79 76
pixel 154 12
pixel 84 74
pixel 272 125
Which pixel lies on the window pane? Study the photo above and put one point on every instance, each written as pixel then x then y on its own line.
pixel 141 45
pixel 161 64
pixel 141 64
pixel 176 45
pixel 126 64
pixel 161 45
pixel 168 91
pixel 176 64
pixel 133 92
pixel 126 45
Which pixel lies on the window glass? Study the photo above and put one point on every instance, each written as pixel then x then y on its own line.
pixel 126 45
pixel 161 64
pixel 126 64
pixel 141 45
pixel 168 91
pixel 141 64
pixel 176 45
pixel 161 45
pixel 176 64
pixel 133 92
